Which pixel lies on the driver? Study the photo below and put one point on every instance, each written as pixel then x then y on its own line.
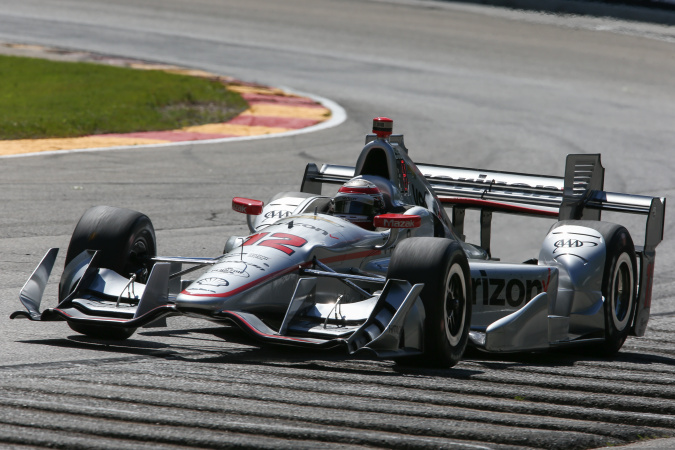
pixel 358 201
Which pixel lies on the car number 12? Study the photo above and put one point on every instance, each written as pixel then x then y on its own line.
pixel 279 241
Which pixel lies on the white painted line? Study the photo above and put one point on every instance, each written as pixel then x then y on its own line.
pixel 338 115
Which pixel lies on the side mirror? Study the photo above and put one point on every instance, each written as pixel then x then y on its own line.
pixel 247 206
pixel 397 221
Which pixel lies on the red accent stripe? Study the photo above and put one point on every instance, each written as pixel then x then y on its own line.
pixel 273 122
pixel 497 205
pixel 109 319
pixel 259 333
pixel 358 255
pixel 173 136
pixel 358 190
pixel 257 99
pixel 98 319
pixel 246 286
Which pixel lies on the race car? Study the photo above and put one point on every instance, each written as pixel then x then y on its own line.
pixel 379 266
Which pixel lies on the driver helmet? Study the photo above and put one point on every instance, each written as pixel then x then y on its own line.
pixel 358 201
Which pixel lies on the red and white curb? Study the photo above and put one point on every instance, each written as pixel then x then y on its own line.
pixel 272 112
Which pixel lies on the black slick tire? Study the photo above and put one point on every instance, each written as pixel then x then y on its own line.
pixel 126 242
pixel 619 287
pixel 442 266
pixel 125 239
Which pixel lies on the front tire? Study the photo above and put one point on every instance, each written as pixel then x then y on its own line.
pixel 125 239
pixel 126 242
pixel 442 266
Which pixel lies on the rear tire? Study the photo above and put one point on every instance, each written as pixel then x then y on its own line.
pixel 442 266
pixel 619 287
pixel 619 283
pixel 126 242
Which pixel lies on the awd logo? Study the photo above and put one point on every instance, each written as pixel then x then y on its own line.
pixel 572 243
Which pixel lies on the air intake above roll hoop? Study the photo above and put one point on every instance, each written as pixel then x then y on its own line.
pixel 383 127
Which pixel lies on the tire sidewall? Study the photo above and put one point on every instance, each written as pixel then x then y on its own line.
pixel 434 262
pixel 455 345
pixel 620 253
pixel 114 232
pixel 619 249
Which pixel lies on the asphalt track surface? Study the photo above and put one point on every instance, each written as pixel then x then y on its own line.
pixel 468 86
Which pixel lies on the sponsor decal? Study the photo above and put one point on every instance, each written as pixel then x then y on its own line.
pixel 277 214
pixel 193 290
pixel 572 243
pixel 247 206
pixel 257 256
pixel 248 255
pixel 394 223
pixel 213 281
pixel 315 228
pixel 493 184
pixel 501 292
pixel 237 268
pixel 424 198
pixel 418 196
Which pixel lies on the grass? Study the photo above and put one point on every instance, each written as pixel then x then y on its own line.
pixel 40 99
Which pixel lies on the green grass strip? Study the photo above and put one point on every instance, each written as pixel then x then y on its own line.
pixel 41 98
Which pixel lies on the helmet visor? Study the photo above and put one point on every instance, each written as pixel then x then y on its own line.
pixel 355 205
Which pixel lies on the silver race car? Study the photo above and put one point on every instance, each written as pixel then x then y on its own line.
pixel 378 266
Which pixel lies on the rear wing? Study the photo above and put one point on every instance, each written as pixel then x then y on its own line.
pixel 578 195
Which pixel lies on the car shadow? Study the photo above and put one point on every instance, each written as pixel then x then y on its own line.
pixel 562 357
pixel 205 345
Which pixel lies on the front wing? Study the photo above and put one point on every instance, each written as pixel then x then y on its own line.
pixel 389 324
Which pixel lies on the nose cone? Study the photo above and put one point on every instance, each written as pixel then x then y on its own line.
pixel 199 301
pixel 224 286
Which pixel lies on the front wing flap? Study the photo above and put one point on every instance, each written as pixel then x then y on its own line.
pixel 78 306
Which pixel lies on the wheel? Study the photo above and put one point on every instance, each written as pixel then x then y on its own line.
pixel 619 288
pixel 442 266
pixel 619 283
pixel 126 241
